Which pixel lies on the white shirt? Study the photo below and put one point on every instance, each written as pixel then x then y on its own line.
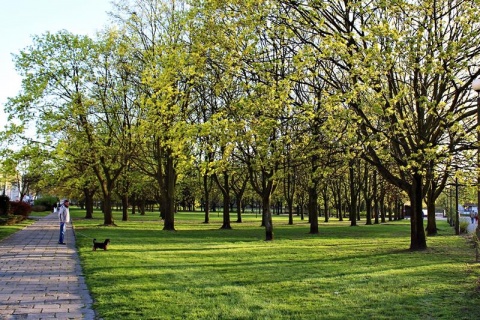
pixel 63 214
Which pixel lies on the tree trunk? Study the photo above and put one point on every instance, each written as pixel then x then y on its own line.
pixel 431 221
pixel 134 204
pixel 88 203
pixel 226 216
pixel 107 210
pixel 124 207
pixel 289 194
pixel 382 206
pixel 239 209
pixel 264 186
pixel 170 180
pixel 313 208
pixel 206 194
pixel 263 213
pixel 396 210
pixel 225 189
pixel 313 196
pixel 340 206
pixel 417 238
pixel 290 211
pixel 375 197
pixel 353 197
pixel 238 188
pixel 367 189
pixel 368 207
pixel 325 203
pixel 141 206
pixel 267 216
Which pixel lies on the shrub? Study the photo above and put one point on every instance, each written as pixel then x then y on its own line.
pixel 39 208
pixel 20 208
pixel 4 205
pixel 47 201
pixel 11 220
pixel 464 226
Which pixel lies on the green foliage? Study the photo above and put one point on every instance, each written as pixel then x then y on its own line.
pixel 272 88
pixel 12 225
pixel 47 201
pixel 201 272
pixel 464 226
pixel 39 208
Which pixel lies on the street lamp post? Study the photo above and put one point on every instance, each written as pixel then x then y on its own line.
pixel 476 87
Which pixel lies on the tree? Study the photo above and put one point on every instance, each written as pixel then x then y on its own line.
pixel 75 87
pixel 251 61
pixel 167 61
pixel 402 68
pixel 239 183
pixel 24 168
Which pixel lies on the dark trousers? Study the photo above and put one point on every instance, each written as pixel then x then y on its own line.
pixel 62 232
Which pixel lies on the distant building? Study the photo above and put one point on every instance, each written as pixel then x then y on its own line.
pixel 12 191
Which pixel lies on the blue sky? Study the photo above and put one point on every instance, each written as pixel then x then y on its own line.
pixel 21 19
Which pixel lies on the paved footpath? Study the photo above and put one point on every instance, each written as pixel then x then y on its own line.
pixel 41 279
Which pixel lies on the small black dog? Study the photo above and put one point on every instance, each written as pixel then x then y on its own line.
pixel 100 245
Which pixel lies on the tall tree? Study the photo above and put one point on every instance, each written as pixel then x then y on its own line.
pixel 71 83
pixel 167 61
pixel 405 74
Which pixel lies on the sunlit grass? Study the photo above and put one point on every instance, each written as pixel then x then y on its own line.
pixel 202 272
pixel 7 230
pixel 39 214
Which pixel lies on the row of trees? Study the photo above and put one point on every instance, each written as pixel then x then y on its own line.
pixel 347 102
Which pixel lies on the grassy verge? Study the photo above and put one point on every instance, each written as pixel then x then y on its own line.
pixel 39 214
pixel 10 226
pixel 8 229
pixel 201 272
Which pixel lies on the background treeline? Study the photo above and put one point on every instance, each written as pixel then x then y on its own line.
pixel 316 106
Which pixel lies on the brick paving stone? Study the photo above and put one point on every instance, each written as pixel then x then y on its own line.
pixel 41 279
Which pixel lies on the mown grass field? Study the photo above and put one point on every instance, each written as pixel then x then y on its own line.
pixel 7 230
pixel 201 272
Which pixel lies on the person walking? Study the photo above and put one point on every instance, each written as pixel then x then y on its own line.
pixel 64 218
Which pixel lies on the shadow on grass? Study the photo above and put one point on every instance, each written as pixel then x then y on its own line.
pixel 201 271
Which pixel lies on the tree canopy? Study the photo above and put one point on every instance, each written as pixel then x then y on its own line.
pixel 343 104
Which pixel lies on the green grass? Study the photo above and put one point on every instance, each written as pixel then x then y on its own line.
pixel 201 272
pixel 39 214
pixel 7 230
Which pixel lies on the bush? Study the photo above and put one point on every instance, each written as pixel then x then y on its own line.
pixel 47 201
pixel 4 205
pixel 39 208
pixel 20 208
pixel 10 220
pixel 464 226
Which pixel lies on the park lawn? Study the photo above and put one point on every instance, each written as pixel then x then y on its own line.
pixel 201 272
pixel 7 230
